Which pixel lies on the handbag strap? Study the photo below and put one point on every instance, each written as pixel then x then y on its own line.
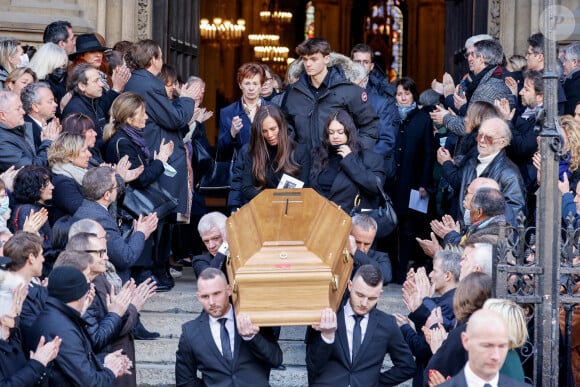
pixel 386 197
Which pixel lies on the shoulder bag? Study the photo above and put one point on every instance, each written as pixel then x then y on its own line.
pixel 384 215
pixel 217 182
pixel 152 198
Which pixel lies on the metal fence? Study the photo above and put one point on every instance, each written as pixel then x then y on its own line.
pixel 519 274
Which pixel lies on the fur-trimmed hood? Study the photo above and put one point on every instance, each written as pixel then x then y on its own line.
pixel 348 69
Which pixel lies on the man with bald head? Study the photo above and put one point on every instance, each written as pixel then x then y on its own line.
pixel 486 342
pixel 493 137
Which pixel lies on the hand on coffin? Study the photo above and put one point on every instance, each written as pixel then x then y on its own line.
pixel 245 327
pixel 327 325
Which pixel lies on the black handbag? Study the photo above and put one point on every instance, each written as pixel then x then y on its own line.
pixel 152 198
pixel 218 181
pixel 384 215
pixel 201 159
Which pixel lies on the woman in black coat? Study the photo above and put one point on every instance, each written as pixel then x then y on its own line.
pixel 271 154
pixel 124 137
pixel 341 169
pixel 414 157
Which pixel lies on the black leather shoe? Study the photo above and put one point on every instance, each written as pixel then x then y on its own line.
pixel 141 333
pixel 281 367
pixel 162 285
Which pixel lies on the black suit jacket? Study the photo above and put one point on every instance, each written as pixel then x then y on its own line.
pixel 504 381
pixel 197 351
pixel 329 364
pixel 36 130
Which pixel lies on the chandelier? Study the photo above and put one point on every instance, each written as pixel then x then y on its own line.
pixel 267 46
pixel 222 31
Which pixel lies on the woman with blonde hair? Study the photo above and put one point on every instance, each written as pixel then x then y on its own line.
pixel 11 53
pixel 19 79
pixel 49 63
pixel 517 327
pixel 124 136
pixel 68 158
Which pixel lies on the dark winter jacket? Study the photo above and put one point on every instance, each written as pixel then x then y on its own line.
pixel 506 173
pixel 357 175
pixel 15 370
pixel 18 148
pixel 307 113
pixel 414 157
pixel 76 363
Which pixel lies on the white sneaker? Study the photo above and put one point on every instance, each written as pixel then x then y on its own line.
pixel 175 273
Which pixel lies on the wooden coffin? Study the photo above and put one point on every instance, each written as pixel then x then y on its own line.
pixel 288 257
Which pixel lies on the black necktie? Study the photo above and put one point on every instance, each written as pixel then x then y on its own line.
pixel 487 385
pixel 225 339
pixel 356 336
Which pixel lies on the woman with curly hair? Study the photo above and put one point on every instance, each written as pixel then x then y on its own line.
pixel 271 154
pixel 342 170
pixel 32 192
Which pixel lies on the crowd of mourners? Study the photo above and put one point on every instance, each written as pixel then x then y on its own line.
pixel 82 125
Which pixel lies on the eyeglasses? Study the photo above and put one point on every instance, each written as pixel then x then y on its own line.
pixel 468 54
pixel 528 53
pixel 489 140
pixel 100 252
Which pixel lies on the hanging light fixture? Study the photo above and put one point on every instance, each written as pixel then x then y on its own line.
pixel 221 30
pixel 267 45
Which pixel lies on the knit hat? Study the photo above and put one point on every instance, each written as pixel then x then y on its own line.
pixel 67 283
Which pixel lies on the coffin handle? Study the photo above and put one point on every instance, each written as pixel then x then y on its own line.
pixel 334 282
pixel 346 255
pixel 234 287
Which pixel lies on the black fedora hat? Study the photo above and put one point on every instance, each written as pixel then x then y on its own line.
pixel 86 43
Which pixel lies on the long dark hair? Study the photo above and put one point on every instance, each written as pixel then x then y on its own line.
pixel 321 154
pixel 284 160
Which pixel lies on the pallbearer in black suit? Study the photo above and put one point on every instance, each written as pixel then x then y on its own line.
pixel 348 348
pixel 227 352
pixel 486 342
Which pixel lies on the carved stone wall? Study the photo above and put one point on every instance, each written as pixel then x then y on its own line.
pixel 513 21
pixel 114 19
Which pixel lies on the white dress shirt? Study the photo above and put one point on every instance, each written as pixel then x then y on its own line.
pixel 475 381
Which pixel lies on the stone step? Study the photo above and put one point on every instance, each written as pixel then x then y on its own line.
pixel 163 375
pixel 162 351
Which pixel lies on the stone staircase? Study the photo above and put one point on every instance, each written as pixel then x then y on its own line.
pixel 166 312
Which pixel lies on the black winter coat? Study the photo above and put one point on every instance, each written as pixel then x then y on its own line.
pixel 357 175
pixel 120 142
pixel 15 370
pixel 76 363
pixel 572 91
pixel 67 197
pixel 306 113
pixel 166 119
pixel 249 190
pixel 414 157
